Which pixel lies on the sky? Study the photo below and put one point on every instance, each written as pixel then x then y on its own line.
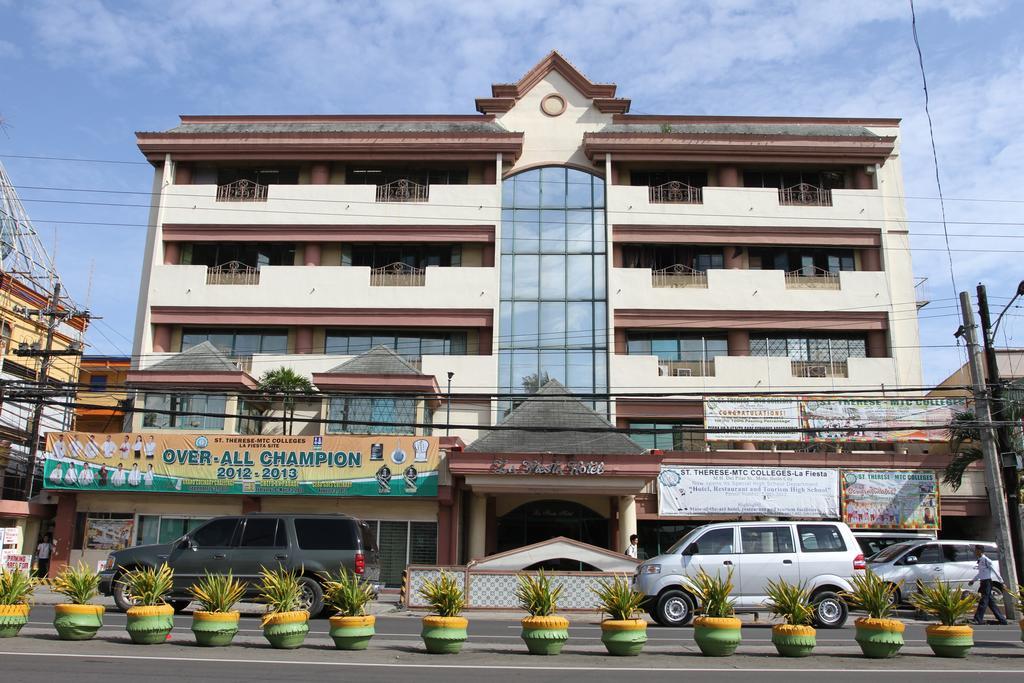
pixel 79 77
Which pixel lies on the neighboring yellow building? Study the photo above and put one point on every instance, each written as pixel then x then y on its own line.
pixel 101 394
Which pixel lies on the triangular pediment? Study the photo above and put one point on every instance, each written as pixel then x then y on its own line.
pixel 505 95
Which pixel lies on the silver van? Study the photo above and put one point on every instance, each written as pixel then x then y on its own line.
pixel 929 561
pixel 824 555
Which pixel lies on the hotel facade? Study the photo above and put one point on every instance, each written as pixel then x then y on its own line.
pixel 551 265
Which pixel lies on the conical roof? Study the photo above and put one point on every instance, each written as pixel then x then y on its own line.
pixel 380 360
pixel 201 357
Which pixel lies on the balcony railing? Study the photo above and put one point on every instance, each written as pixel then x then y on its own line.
pixel 676 192
pixel 403 190
pixel 242 191
pixel 233 273
pixel 398 275
pixel 812 277
pixel 686 368
pixel 803 368
pixel 679 276
pixel 244 363
pixel 805 194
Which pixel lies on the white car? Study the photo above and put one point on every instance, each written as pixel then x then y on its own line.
pixel 929 561
pixel 822 555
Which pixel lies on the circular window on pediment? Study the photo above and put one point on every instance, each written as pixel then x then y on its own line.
pixel 553 105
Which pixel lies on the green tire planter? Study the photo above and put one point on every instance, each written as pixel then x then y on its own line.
pixel 950 641
pixel 150 625
pixel 352 633
pixel 12 618
pixel 545 635
pixel 624 637
pixel 794 641
pixel 214 629
pixel 77 622
pixel 444 635
pixel 717 636
pixel 879 638
pixel 286 630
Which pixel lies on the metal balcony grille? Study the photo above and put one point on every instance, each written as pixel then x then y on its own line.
pixel 803 368
pixel 242 191
pixel 686 368
pixel 679 276
pixel 812 277
pixel 403 190
pixel 398 275
pixel 232 273
pixel 676 192
pixel 805 194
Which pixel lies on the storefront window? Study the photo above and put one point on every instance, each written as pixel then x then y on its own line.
pixel 184 411
pixel 668 436
pixel 350 415
pixel 401 544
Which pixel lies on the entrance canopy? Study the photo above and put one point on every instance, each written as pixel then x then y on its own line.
pixel 557 549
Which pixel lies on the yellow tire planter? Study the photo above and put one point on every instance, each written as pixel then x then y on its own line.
pixel 214 629
pixel 624 637
pixel 545 635
pixel 12 619
pixel 150 625
pixel 444 635
pixel 77 622
pixel 717 636
pixel 286 630
pixel 950 641
pixel 879 638
pixel 352 633
pixel 794 641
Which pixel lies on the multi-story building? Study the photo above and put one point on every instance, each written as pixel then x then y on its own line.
pixel 102 394
pixel 429 273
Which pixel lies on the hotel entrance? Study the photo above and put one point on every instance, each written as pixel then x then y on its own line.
pixel 546 519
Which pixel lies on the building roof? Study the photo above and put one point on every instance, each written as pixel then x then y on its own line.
pixel 380 360
pixel 568 416
pixel 201 357
pixel 384 124
pixel 801 129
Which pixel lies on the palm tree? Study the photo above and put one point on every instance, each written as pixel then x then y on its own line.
pixel 964 435
pixel 285 382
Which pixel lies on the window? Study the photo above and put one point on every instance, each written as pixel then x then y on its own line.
pixel 401 544
pixel 807 261
pixel 252 254
pixel 424 176
pixel 97 382
pixel 655 178
pixel 677 347
pixel 263 532
pixel 366 415
pixel 820 538
pixel 929 554
pixel 155 529
pixel 784 179
pixel 283 175
pixel 184 411
pixel 415 255
pixel 716 542
pixel 315 533
pixel 237 342
pixel 766 539
pixel 217 533
pixel 410 344
pixel 658 256
pixel 959 553
pixel 810 348
pixel 668 436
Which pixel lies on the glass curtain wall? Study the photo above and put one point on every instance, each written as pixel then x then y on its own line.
pixel 553 282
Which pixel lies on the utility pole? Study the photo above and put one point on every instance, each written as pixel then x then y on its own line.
pixel 1007 455
pixel 993 476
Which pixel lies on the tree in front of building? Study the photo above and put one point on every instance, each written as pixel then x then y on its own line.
pixel 283 384
pixel 965 438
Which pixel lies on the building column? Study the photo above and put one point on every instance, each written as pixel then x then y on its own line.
pixel 738 342
pixel 871 259
pixel 444 533
pixel 312 254
pixel 627 521
pixel 63 531
pixel 876 344
pixel 486 342
pixel 304 340
pixel 320 173
pixel 161 338
pixel 477 526
pixel 861 179
pixel 172 253
pixel 490 174
pixel 251 504
pixel 733 257
pixel 491 542
pixel 182 173
pixel 728 176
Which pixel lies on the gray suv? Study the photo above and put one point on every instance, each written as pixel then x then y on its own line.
pixel 243 544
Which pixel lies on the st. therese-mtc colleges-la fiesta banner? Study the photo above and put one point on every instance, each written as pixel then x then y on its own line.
pixel 261 465
pixel 755 491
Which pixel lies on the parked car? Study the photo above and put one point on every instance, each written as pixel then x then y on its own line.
pixel 929 561
pixel 873 542
pixel 823 554
pixel 244 544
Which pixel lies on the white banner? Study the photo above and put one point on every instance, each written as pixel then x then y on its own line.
pixel 755 491
pixel 753 414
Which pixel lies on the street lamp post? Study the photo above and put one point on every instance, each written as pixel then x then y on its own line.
pixel 448 419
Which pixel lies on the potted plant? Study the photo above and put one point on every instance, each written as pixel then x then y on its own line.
pixel 791 602
pixel 15 592
pixel 349 594
pixel 1018 597
pixel 879 636
pixel 543 632
pixel 77 619
pixel 444 633
pixel 950 604
pixel 284 625
pixel 716 630
pixel 151 619
pixel 624 632
pixel 216 622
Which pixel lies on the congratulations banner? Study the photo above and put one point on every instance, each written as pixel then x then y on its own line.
pixel 891 499
pixel 756 491
pixel 263 465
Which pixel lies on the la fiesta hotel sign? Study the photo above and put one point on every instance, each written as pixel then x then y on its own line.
pixel 554 466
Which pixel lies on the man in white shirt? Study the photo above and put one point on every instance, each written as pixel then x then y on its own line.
pixel 987 572
pixel 632 549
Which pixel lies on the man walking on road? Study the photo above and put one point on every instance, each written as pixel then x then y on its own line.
pixel 986 573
